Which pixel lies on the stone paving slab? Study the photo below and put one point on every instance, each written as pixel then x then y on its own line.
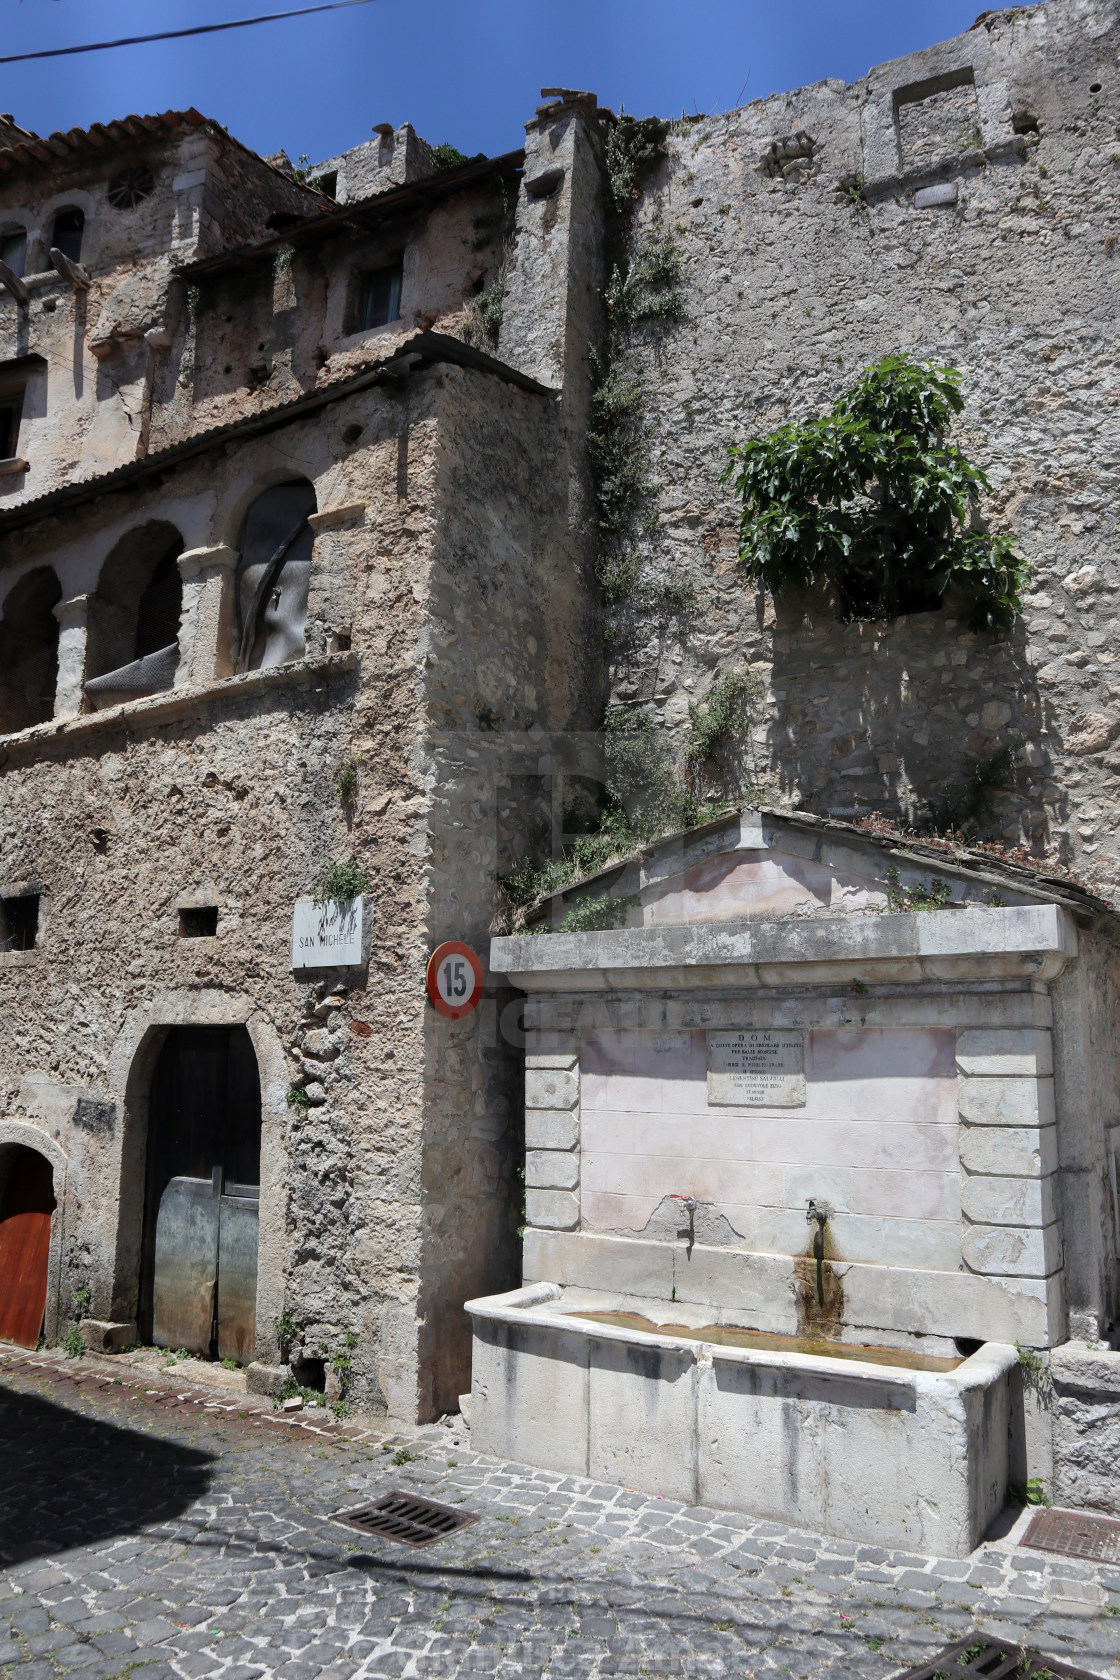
pixel 170 1532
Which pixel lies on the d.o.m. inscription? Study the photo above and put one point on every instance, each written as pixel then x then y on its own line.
pixel 761 1067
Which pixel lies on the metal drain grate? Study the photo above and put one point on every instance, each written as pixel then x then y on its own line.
pixel 1074 1534
pixel 993 1659
pixel 407 1518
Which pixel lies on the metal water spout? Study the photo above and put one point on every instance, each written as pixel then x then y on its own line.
pixel 690 1205
pixel 818 1214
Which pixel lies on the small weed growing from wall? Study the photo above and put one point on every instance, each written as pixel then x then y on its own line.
pixel 81 1302
pixel 74 1343
pixel 718 723
pixel 595 915
pixel 649 288
pixel 282 260
pixel 298 1098
pixel 446 156
pixel 616 444
pixel 287 1329
pixel 934 897
pixel 484 314
pixel 634 144
pixel 342 1366
pixel 873 498
pixel 338 882
pixel 676 597
pixel 346 783
pixel 1032 1492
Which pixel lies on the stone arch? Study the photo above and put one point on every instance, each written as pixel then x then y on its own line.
pixel 25 1134
pixel 135 614
pixel 132 1064
pixel 29 650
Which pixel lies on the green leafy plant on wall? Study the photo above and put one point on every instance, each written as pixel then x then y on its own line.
pixel 446 156
pixel 716 727
pixel 484 314
pixel 346 782
pixel 874 499
pixel 649 288
pixel 336 882
pixel 287 1330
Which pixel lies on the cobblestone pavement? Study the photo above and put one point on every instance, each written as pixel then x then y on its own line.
pixel 188 1533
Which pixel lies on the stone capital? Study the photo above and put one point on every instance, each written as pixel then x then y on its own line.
pixel 195 561
pixel 73 612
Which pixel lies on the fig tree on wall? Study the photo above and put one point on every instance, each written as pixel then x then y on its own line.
pixel 874 499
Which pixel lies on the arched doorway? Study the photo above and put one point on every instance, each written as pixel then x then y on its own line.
pixel 199 1254
pixel 26 1204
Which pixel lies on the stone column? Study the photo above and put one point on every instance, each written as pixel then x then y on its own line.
pixel 207 627
pixel 73 622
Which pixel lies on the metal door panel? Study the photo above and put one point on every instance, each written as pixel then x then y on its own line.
pixel 186 1266
pixel 237 1279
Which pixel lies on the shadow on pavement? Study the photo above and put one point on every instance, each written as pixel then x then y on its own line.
pixel 71 1480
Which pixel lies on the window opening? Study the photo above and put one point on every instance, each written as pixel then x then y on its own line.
pixel 274 576
pixel 161 607
pixel 130 187
pixel 132 643
pixel 13 247
pixel 11 412
pixel 199 923
pixel 379 299
pixel 66 233
pixel 19 922
pixel 29 651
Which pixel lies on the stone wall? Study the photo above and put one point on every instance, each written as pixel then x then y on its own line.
pixel 799 275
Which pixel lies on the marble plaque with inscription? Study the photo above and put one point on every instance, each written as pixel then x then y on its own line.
pixel 760 1067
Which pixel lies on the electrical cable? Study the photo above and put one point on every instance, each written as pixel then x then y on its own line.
pixel 177 34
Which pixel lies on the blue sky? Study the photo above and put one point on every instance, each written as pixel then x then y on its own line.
pixel 467 71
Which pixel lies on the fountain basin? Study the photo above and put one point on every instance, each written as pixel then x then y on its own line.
pixel 870 1451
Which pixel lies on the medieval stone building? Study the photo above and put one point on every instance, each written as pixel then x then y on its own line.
pixel 301 565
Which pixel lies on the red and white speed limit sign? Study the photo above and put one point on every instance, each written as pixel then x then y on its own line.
pixel 454 979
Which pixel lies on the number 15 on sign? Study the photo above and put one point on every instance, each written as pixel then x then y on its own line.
pixel 454 979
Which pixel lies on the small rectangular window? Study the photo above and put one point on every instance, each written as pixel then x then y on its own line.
pixel 379 298
pixel 199 923
pixel 11 410
pixel 19 922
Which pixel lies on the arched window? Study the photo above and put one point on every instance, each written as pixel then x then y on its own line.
pixel 132 638
pixel 274 576
pixel 13 247
pixel 66 232
pixel 29 651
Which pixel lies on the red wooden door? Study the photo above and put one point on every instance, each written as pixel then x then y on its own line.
pixel 25 1240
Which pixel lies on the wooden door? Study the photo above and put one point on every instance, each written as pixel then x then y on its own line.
pixel 204 1145
pixel 25 1242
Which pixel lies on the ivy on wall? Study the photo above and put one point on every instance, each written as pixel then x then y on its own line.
pixel 873 498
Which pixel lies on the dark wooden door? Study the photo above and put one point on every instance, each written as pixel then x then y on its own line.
pixel 204 1143
pixel 25 1243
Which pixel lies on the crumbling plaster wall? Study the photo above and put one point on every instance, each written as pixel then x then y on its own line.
pixel 792 287
pixel 254 338
pixel 94 412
